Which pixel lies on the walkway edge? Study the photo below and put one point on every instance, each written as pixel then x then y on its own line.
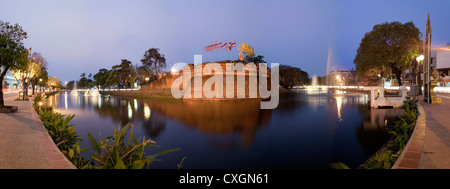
pixel 411 154
pixel 55 157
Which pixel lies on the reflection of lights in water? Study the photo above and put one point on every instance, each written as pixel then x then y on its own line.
pixel 130 111
pixel 339 106
pixel 147 112
pixel 316 90
pixel 135 105
pixel 99 102
pixel 65 101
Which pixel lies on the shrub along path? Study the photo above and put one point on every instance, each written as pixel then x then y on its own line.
pixel 24 142
pixel 436 149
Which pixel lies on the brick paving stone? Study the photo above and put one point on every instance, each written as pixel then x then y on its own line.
pixel 24 143
pixel 412 155
pixel 436 150
pixel 409 163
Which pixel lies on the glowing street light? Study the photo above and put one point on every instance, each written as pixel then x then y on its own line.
pixel 173 70
pixel 419 58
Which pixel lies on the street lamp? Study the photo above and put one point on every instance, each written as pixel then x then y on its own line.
pixel 419 58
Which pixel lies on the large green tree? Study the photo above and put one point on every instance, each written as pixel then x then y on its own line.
pixel 101 77
pixel 114 77
pixel 126 72
pixel 388 48
pixel 153 63
pixel 41 69
pixel 292 76
pixel 13 54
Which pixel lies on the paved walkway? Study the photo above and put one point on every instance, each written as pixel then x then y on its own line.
pixel 436 149
pixel 24 143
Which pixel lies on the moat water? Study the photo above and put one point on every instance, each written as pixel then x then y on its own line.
pixel 306 130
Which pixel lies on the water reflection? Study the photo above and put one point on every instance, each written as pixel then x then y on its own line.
pixel 304 131
pixel 147 112
pixel 339 106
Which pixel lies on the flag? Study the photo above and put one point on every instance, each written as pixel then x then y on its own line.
pixel 231 45
pixel 224 45
pixel 208 47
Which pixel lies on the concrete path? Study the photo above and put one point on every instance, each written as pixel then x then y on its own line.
pixel 436 149
pixel 24 142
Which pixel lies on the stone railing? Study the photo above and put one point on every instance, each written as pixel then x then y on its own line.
pixel 379 99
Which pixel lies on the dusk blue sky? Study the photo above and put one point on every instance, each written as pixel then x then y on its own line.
pixel 85 36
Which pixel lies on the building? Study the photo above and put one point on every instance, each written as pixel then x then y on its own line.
pixel 9 82
pixel 341 77
pixel 440 59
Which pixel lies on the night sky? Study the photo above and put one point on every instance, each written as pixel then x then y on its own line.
pixel 85 36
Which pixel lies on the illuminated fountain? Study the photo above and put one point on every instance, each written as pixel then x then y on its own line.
pixel 315 88
pixel 74 92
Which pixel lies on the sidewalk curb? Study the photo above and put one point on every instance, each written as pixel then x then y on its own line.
pixel 410 156
pixel 55 157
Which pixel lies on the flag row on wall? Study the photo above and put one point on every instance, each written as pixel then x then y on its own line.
pixel 222 45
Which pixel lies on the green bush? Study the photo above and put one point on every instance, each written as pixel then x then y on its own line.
pixel 117 153
pixel 59 129
pixel 381 161
pixel 401 132
pixel 403 128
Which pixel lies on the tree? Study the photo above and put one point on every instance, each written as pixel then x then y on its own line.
pixel 153 62
pixel 41 69
pixel 134 75
pixel 101 77
pixel 12 52
pixel 114 76
pixel 42 80
pixel 85 82
pixel 53 83
pixel 25 74
pixel 257 59
pixel 388 48
pixel 292 76
pixel 126 72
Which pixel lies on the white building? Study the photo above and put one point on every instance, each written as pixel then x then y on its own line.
pixel 440 59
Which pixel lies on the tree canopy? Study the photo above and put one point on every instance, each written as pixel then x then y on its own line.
pixel 13 54
pixel 292 76
pixel 388 48
pixel 153 62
